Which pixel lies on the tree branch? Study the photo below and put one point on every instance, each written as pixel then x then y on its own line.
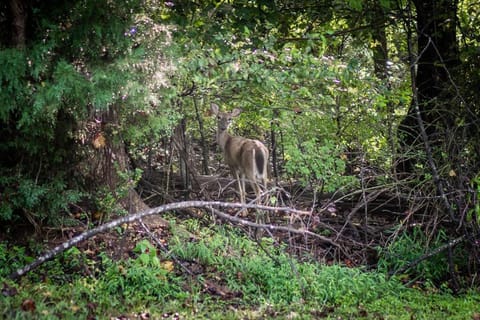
pixel 164 208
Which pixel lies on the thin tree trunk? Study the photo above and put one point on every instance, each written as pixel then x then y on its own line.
pixel 203 141
pixel 273 138
pixel 19 20
pixel 437 55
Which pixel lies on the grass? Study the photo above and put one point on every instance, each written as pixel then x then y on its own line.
pixel 233 279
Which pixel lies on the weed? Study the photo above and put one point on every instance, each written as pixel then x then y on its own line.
pixel 12 258
pixel 408 247
pixel 267 288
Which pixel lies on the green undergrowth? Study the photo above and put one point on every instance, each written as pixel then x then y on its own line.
pixel 228 277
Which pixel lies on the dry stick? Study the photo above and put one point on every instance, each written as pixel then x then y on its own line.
pixel 428 255
pixel 366 200
pixel 272 227
pixel 167 207
pixel 428 149
pixel 164 249
pixel 423 133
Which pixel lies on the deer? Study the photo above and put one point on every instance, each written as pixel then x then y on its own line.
pixel 246 158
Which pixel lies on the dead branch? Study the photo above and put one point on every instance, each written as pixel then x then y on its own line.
pixel 271 227
pixel 428 255
pixel 361 204
pixel 164 208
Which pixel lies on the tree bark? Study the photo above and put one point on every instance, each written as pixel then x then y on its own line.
pixel 203 140
pixel 380 50
pixel 437 55
pixel 112 160
pixel 19 21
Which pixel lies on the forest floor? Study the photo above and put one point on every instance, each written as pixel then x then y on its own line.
pixel 352 225
pixel 317 262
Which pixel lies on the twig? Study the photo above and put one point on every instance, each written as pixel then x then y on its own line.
pixel 357 208
pixel 421 126
pixel 164 249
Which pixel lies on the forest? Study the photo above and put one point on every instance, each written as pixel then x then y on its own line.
pixel 251 159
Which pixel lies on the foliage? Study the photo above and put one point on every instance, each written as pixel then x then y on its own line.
pixel 331 81
pixel 146 283
pixel 42 202
pixel 12 257
pixel 318 104
pixel 142 278
pixel 249 270
pixel 106 200
pixel 128 71
pixel 408 247
pixel 147 254
pixel 84 59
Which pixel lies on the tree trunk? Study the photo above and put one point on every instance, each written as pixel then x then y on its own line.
pixel 180 143
pixel 380 50
pixel 203 141
pixel 437 55
pixel 111 161
pixel 19 20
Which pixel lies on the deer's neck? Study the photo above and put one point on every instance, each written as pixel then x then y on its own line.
pixel 222 138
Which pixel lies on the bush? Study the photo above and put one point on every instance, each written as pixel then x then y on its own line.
pixel 46 201
pixel 408 247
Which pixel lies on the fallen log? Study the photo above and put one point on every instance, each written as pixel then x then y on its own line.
pixel 164 208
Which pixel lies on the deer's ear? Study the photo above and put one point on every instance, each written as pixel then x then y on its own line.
pixel 236 112
pixel 214 108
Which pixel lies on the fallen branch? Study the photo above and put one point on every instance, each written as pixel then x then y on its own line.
pixel 164 208
pixel 272 227
pixel 428 255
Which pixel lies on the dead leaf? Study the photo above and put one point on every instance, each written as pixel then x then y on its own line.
pixel 168 265
pixel 28 305
pixel 97 215
pixel 218 290
pixel 99 141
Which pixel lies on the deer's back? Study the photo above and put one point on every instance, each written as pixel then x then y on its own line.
pixel 238 153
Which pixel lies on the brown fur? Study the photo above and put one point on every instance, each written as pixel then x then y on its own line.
pixel 247 158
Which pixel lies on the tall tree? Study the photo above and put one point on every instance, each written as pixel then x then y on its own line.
pixel 73 91
pixel 433 64
pixel 437 128
pixel 19 19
